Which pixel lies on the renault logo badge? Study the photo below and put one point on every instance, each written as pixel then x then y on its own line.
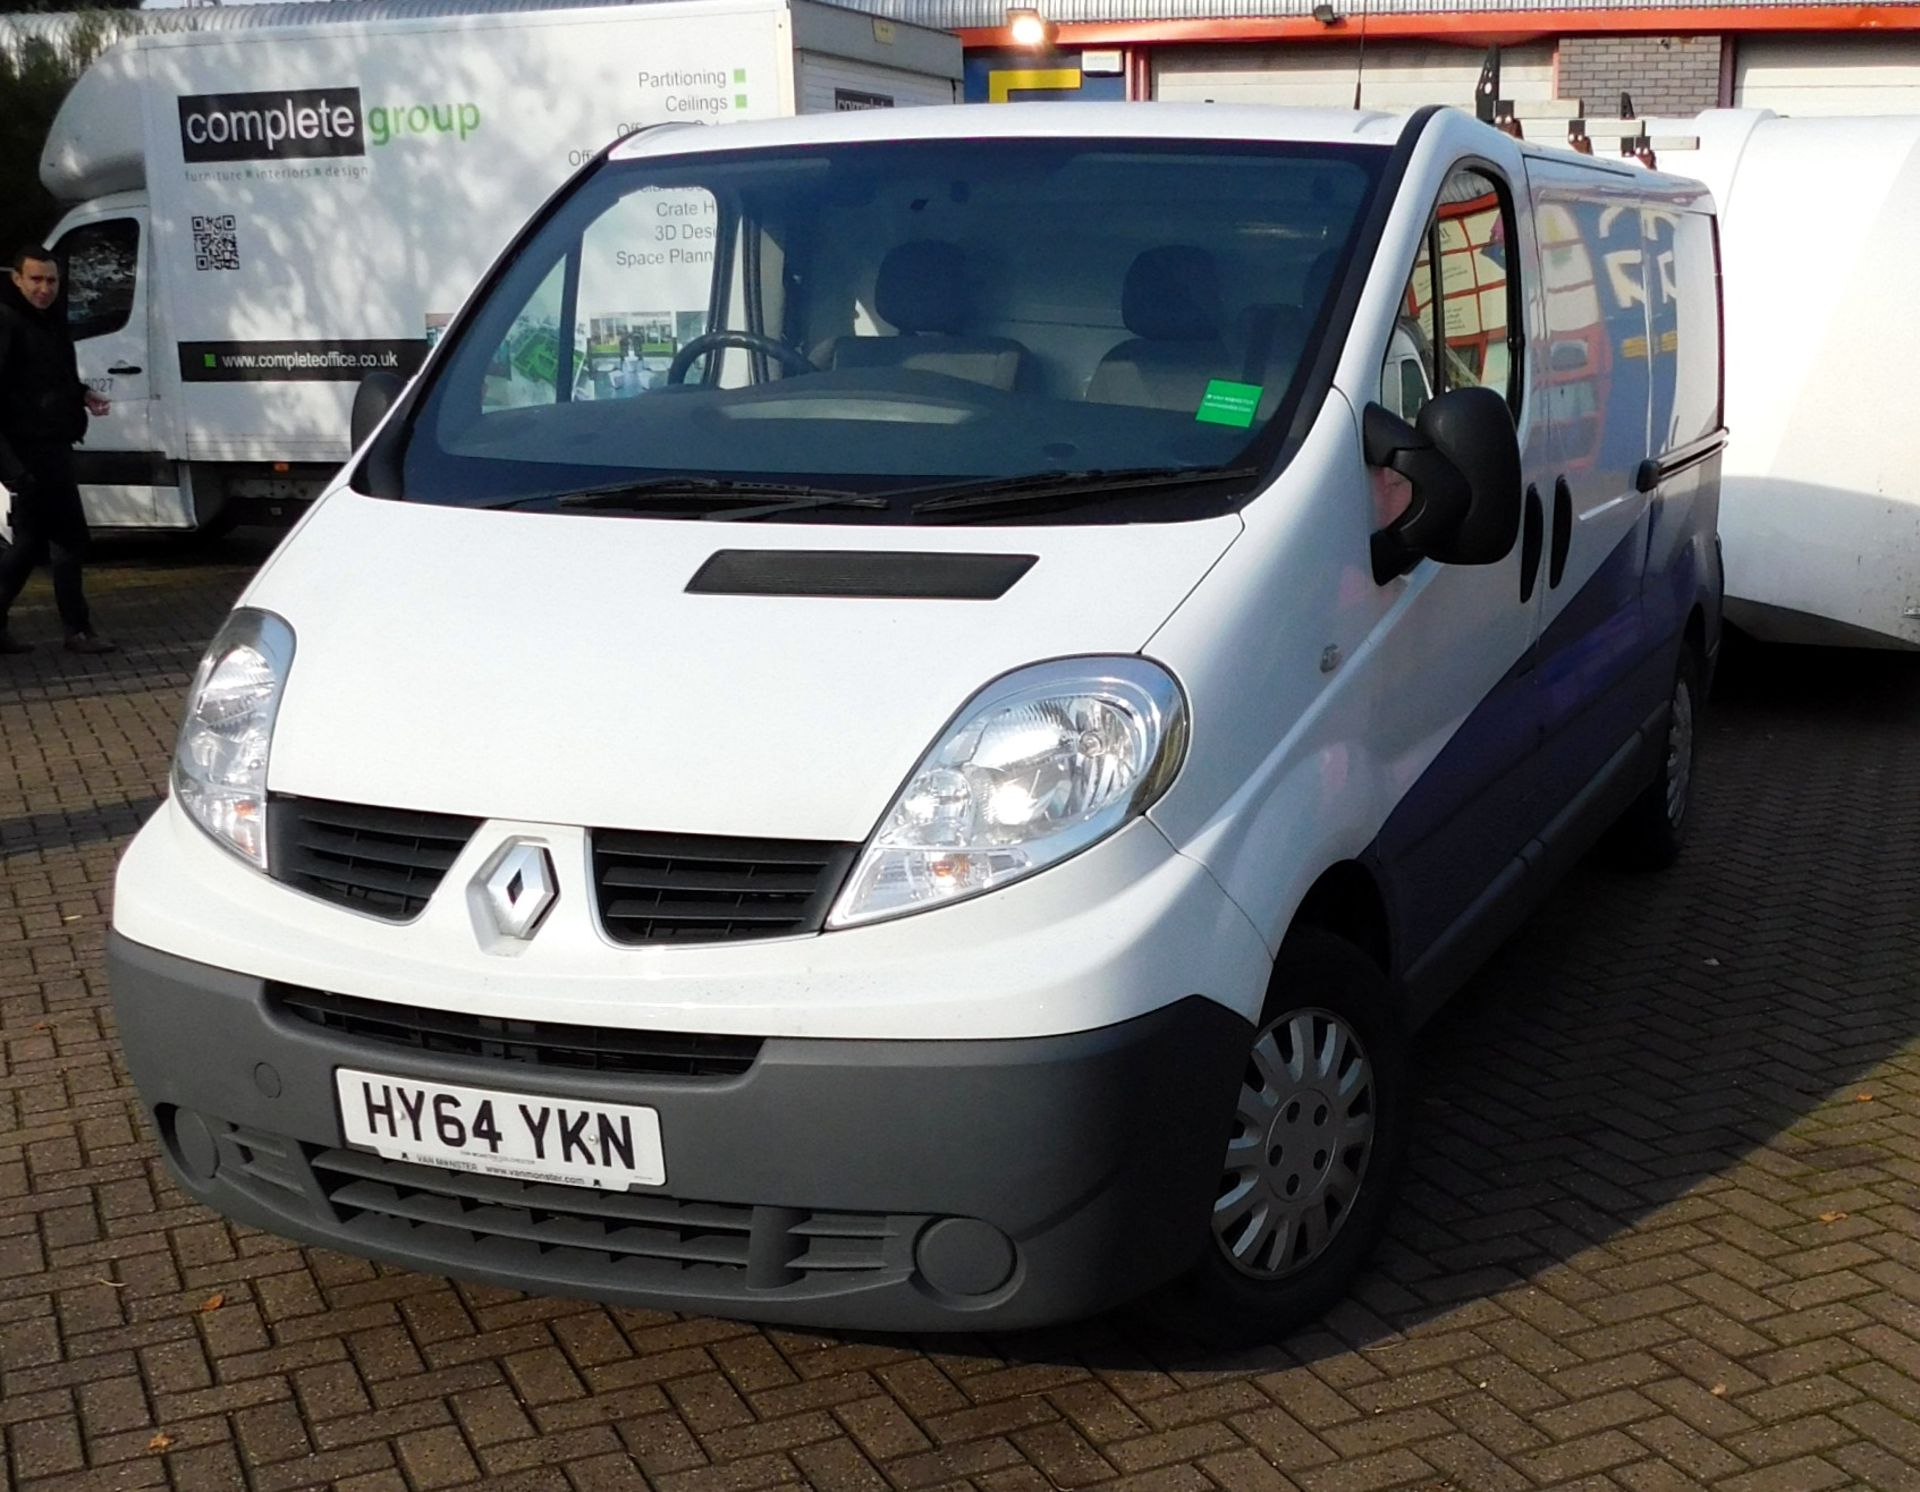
pixel 517 888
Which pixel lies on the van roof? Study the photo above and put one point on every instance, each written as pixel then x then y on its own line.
pixel 1028 121
pixel 1615 166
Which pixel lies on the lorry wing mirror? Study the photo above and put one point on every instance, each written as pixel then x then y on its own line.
pixel 378 393
pixel 1461 457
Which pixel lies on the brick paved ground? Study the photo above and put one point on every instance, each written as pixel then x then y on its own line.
pixel 1662 1228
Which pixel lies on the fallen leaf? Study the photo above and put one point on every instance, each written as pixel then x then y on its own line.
pixel 1719 1390
pixel 1831 1217
pixel 160 1442
pixel 1863 1098
pixel 117 1284
pixel 1711 963
pixel 213 1303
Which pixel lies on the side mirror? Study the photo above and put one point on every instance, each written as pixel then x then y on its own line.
pixel 1461 456
pixel 378 392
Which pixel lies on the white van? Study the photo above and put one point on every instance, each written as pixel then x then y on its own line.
pixel 1821 512
pixel 944 810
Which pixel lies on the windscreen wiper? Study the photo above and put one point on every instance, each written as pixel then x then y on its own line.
pixel 799 501
pixel 617 495
pixel 1046 486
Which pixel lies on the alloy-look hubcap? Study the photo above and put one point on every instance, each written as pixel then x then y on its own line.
pixel 1303 1134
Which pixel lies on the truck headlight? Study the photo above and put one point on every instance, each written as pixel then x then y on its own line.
pixel 220 761
pixel 1040 764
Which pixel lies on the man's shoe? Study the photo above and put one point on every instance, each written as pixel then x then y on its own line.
pixel 87 642
pixel 11 644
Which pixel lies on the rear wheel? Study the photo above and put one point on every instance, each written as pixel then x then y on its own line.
pixel 1648 836
pixel 1308 1171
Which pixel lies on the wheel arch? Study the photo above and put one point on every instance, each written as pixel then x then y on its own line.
pixel 1347 902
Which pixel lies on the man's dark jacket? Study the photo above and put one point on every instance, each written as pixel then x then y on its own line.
pixel 43 408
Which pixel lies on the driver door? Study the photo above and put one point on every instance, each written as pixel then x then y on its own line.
pixel 1463 669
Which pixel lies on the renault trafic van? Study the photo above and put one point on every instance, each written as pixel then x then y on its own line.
pixel 943 808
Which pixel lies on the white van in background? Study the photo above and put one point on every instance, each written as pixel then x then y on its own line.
pixel 945 811
pixel 1821 488
pixel 263 215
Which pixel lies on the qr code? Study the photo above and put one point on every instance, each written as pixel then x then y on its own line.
pixel 215 245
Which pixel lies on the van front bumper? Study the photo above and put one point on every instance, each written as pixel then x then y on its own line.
pixel 870 1184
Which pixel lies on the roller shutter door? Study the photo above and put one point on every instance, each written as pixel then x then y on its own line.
pixel 1399 76
pixel 1829 74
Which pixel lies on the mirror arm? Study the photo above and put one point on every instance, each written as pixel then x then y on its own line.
pixel 378 473
pixel 1441 495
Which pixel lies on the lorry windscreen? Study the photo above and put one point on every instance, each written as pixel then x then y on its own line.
pixel 872 318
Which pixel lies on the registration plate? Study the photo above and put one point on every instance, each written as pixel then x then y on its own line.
pixel 523 1135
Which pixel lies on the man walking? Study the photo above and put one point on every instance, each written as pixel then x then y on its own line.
pixel 43 411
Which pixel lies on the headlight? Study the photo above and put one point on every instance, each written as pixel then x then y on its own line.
pixel 220 760
pixel 1039 765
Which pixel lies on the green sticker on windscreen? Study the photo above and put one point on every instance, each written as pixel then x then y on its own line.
pixel 1226 403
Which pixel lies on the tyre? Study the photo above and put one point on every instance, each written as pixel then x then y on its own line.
pixel 1309 1170
pixel 1648 836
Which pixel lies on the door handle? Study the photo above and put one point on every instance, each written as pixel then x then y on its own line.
pixel 1562 532
pixel 1532 535
pixel 124 368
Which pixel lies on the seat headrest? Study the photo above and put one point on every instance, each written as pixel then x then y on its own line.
pixel 921 287
pixel 1172 294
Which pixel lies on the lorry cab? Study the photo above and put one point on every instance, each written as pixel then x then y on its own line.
pixel 945 806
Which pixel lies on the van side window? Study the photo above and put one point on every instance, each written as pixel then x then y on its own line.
pixel 1683 344
pixel 525 367
pixel 100 265
pixel 1456 326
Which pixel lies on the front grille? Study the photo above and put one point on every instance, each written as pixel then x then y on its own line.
pixel 383 861
pixel 676 888
pixel 556 1231
pixel 535 1043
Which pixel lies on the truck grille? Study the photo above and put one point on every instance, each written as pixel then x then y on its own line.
pixel 535 1043
pixel 682 888
pixel 383 861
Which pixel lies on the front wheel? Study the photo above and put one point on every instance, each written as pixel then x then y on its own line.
pixel 1309 1168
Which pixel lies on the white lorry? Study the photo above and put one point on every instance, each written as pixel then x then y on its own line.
pixel 266 214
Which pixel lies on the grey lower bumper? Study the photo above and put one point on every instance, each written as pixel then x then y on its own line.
pixel 897 1185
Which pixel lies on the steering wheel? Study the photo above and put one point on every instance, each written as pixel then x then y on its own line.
pixel 790 358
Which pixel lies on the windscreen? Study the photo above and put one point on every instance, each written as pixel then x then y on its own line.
pixel 898 318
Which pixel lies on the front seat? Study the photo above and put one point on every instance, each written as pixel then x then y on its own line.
pixel 921 291
pixel 1170 301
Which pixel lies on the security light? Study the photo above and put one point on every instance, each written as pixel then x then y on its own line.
pixel 1028 28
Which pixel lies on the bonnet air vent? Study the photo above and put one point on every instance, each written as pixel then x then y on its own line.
pixel 874 574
